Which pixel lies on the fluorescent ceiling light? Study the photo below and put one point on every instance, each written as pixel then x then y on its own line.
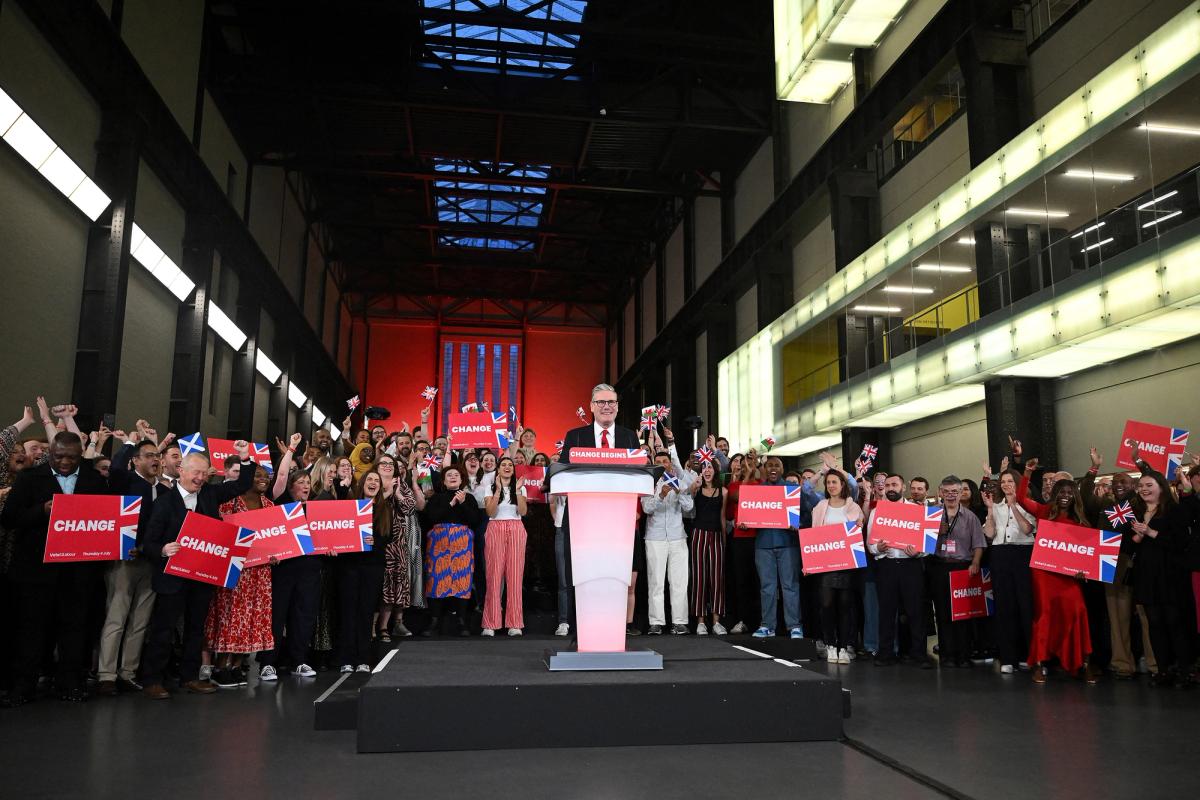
pixel 30 141
pixel 821 82
pixel 908 290
pixel 318 417
pixel 181 286
pixel 89 199
pixel 9 111
pixel 1095 227
pixel 943 268
pixel 878 309
pixel 334 430
pixel 1119 177
pixel 148 254
pixel 1100 243
pixel 1036 212
pixel 858 30
pixel 266 367
pixel 296 396
pixel 1161 219
pixel 809 444
pixel 967 240
pixel 223 326
pixel 63 173
pixel 1154 127
pixel 1149 203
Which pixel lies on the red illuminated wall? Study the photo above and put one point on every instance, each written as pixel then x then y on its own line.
pixel 561 365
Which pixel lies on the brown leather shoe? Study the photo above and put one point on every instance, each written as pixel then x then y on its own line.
pixel 156 691
pixel 1092 674
pixel 200 687
pixel 1039 674
pixel 106 688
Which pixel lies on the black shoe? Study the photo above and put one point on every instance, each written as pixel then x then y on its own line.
pixel 76 695
pixel 885 661
pixel 225 678
pixel 926 663
pixel 16 699
pixel 679 630
pixel 655 630
pixel 128 686
pixel 432 627
pixel 632 631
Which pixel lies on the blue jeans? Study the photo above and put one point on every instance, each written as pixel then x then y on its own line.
pixel 779 566
pixel 565 589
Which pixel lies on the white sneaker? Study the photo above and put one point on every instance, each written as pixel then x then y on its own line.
pixel 701 629
pixel 267 673
pixel 346 668
pixel 739 628
pixel 563 629
pixel 719 630
pixel 515 632
pixel 304 671
pixel 400 630
pixel 1006 669
pixel 844 655
pixel 821 647
pixel 206 672
pixel 488 632
pixel 364 668
pixel 850 655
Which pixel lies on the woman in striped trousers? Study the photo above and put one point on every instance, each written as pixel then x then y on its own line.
pixel 706 555
pixel 504 547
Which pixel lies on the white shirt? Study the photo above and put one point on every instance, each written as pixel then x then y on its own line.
pixel 597 427
pixel 189 498
pixel 664 515
pixel 1007 530
pixel 503 510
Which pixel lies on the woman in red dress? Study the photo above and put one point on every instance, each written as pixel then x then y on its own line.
pixel 239 619
pixel 1060 621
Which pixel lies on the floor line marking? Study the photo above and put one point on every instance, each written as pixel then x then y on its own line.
pixel 379 667
pixel 903 769
pixel 751 652
pixel 333 688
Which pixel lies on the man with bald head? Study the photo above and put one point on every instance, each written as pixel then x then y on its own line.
pixel 179 597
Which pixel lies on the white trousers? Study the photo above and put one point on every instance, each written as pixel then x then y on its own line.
pixel 667 561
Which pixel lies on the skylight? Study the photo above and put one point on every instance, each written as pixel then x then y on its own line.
pixel 492 202
pixel 518 43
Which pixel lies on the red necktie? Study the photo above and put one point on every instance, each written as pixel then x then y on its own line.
pixel 603 437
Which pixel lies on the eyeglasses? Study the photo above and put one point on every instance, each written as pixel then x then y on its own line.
pixel 604 403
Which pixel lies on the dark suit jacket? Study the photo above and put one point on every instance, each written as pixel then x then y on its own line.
pixel 125 481
pixel 585 436
pixel 25 515
pixel 169 513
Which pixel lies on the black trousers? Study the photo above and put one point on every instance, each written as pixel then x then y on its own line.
pixel 899 583
pixel 953 637
pixel 295 602
pixel 745 581
pixel 49 615
pixel 1096 601
pixel 1012 586
pixel 191 602
pixel 1170 636
pixel 837 616
pixel 359 587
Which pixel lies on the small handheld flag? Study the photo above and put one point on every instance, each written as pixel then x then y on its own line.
pixel 767 443
pixel 558 446
pixel 470 407
pixel 353 402
pixel 705 455
pixel 512 412
pixel 663 412
pixel 869 452
pixel 582 417
pixel 1120 513
pixel 429 393
pixel 432 463
pixel 191 444
pixel 485 406
pixel 671 480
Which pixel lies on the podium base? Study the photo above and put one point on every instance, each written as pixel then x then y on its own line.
pixel 572 661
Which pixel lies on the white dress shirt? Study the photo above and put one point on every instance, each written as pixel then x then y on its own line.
pixel 189 498
pixel 612 438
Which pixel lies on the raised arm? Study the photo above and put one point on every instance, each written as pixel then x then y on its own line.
pixel 1032 506
pixel 285 463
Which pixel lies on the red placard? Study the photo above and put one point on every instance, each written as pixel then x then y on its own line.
pixel 829 548
pixel 221 449
pixel 769 506
pixel 608 455
pixel 210 551
pixel 280 531
pixel 971 595
pixel 340 526
pixel 901 524
pixel 89 527
pixel 534 478
pixel 1071 549
pixel 478 429
pixel 1160 447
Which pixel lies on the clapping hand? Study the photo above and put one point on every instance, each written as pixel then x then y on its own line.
pixel 459 497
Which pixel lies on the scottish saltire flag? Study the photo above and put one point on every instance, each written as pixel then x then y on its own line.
pixel 366 521
pixel 1120 514
pixel 353 402
pixel 245 538
pixel 933 526
pixel 432 463
pixel 1109 550
pixel 989 596
pixel 705 455
pixel 857 546
pixel 1179 440
pixel 671 480
pixel 295 511
pixel 792 499
pixel 131 509
pixel 429 393
pixel 191 444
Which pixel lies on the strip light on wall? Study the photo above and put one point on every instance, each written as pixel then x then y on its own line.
pixel 334 431
pixel 318 417
pixel 297 397
pixel 224 327
pixel 33 144
pixel 266 367
pixel 157 263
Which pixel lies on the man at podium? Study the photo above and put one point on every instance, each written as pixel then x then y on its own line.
pixel 603 432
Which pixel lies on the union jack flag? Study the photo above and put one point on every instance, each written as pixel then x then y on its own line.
pixel 512 412
pixel 663 412
pixel 191 444
pixel 291 513
pixel 558 446
pixel 366 522
pixel 500 428
pixel 432 463
pixel 869 452
pixel 1120 514
pixel 485 406
pixel 792 499
pixel 429 392
pixel 353 402
pixel 261 454
pixel 237 559
pixel 1179 440
pixel 1109 550
pixel 933 526
pixel 582 417
pixel 131 509
pixel 858 547
pixel 705 455
pixel 989 596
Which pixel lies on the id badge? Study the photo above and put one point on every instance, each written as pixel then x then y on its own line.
pixel 951 546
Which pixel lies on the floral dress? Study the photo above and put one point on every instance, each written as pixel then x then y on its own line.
pixel 239 619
